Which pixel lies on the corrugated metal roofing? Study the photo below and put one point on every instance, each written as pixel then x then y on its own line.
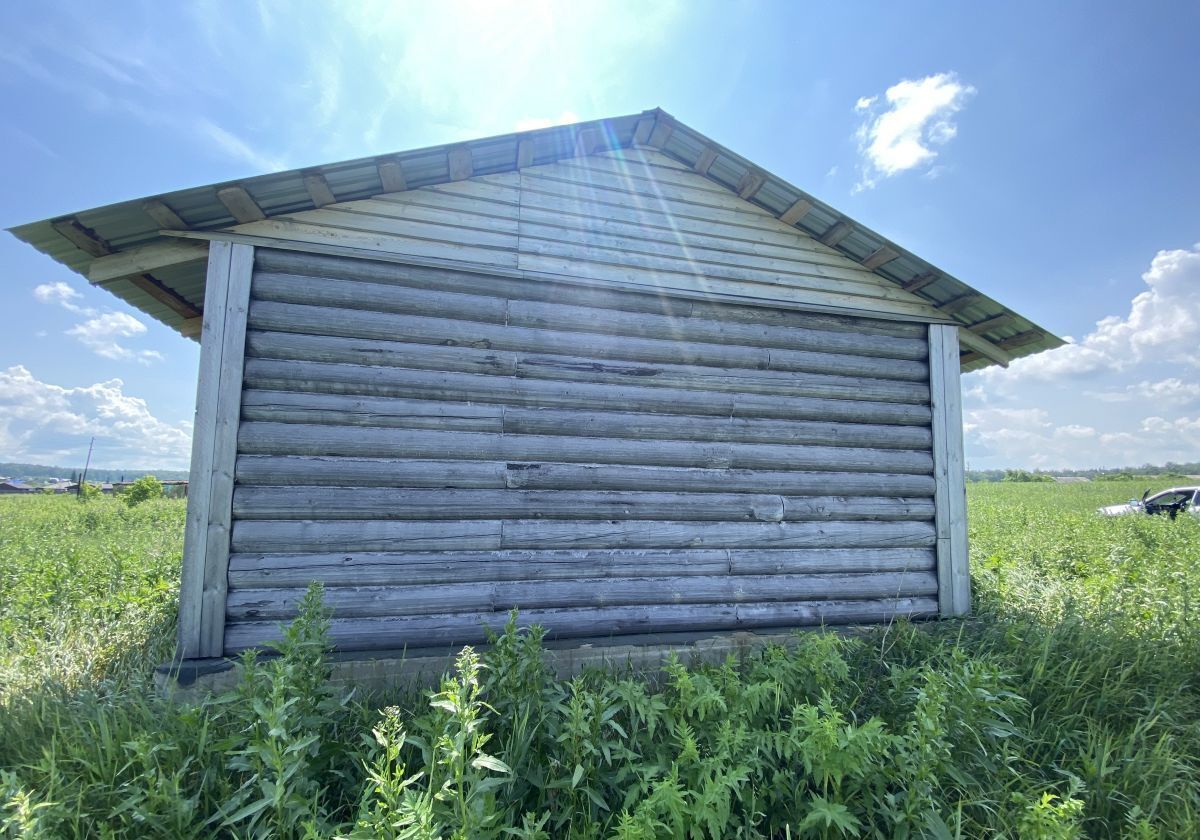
pixel 998 334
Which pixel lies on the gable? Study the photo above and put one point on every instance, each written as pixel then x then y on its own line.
pixel 145 250
pixel 634 219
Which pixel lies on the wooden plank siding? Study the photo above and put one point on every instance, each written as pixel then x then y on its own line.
pixel 616 218
pixel 439 446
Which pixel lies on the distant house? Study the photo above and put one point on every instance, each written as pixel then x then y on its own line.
pixel 15 485
pixel 613 374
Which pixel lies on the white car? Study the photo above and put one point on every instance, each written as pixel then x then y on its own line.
pixel 1170 502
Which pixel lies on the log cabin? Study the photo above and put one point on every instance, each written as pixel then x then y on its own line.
pixel 610 374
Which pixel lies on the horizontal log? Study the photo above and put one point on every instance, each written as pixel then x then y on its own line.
pixel 598 296
pixel 384 472
pixel 299 289
pixel 407 600
pixel 375 535
pixel 335 350
pixel 337 409
pixel 358 324
pixel 452 630
pixel 262 571
pixel 260 438
pixel 549 421
pixel 283 375
pixel 642 325
pixel 550 476
pixel 317 502
pixel 534 313
pixel 340 410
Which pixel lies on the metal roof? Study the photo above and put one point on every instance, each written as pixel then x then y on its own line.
pixel 990 332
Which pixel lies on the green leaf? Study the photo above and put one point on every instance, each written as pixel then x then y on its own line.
pixel 577 776
pixel 491 763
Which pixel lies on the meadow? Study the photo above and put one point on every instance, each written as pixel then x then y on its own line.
pixel 1066 706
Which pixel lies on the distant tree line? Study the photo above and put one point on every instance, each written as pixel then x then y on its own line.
pixel 16 470
pixel 1167 471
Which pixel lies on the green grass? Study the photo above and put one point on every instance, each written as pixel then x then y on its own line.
pixel 1067 706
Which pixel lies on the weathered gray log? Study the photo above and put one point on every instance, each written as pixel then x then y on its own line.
pixel 458 332
pixel 336 409
pixel 385 472
pixel 641 324
pixel 549 421
pixel 258 438
pixel 451 630
pixel 299 289
pixel 375 535
pixel 359 351
pixel 526 533
pixel 316 502
pixel 473 283
pixel 405 600
pixel 559 316
pixel 361 380
pixel 262 571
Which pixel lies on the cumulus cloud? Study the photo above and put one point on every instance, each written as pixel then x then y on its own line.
pixel 45 423
pixel 901 132
pixel 1170 391
pixel 99 333
pixel 61 294
pixel 1162 325
pixel 1030 437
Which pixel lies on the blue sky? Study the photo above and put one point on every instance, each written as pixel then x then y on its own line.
pixel 1043 153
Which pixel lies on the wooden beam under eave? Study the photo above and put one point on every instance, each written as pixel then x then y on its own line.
pixel 460 164
pixel 168 297
pixel 391 176
pixel 751 183
pixel 524 153
pixel 191 327
pixel 705 161
pixel 960 303
pixel 162 215
pixel 1020 339
pixel 882 255
pixel 240 204
pixel 837 233
pixel 984 347
pixel 145 258
pixel 992 323
pixel 971 356
pixel 920 281
pixel 663 128
pixel 796 212
pixel 587 141
pixel 318 189
pixel 83 238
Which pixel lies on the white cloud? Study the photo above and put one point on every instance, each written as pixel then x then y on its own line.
pixel 1163 325
pixel 1171 391
pixel 46 423
pixel 919 115
pixel 100 333
pixel 61 294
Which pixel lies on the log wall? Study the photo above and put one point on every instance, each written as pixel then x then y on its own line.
pixel 439 447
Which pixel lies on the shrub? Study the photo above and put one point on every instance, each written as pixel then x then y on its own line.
pixel 143 490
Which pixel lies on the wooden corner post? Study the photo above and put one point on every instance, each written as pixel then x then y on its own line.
pixel 204 580
pixel 950 489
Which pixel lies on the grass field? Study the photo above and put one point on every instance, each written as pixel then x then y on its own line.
pixel 1067 706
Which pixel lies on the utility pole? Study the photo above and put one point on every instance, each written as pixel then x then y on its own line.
pixel 86 464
